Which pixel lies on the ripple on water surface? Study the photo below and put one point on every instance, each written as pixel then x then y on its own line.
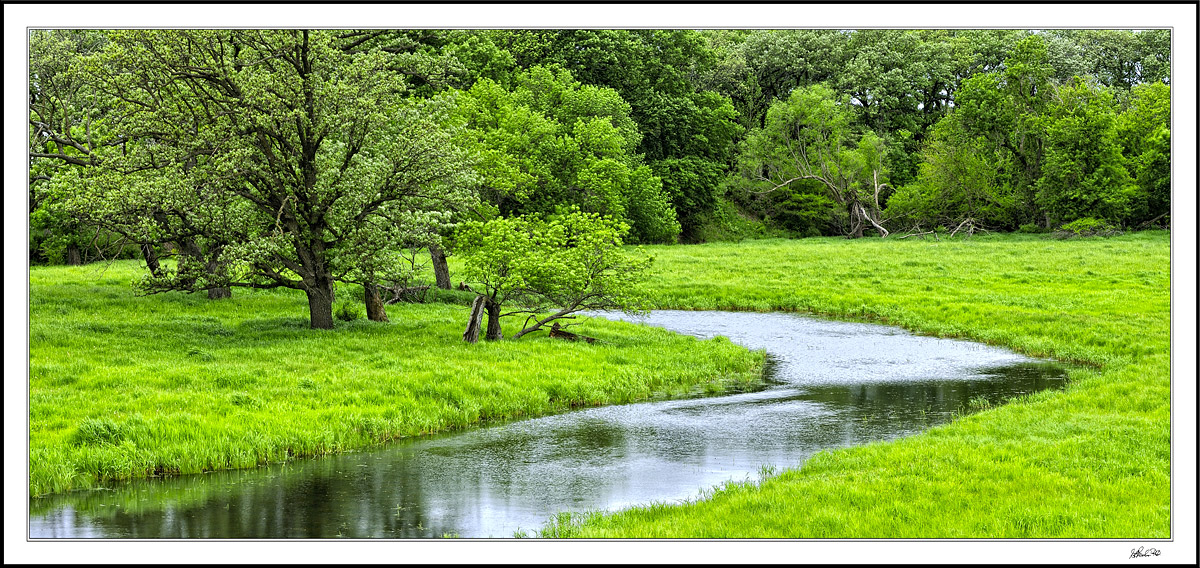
pixel 833 384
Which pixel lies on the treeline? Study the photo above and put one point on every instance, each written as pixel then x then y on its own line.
pixel 299 158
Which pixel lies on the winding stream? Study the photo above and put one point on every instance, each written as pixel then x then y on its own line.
pixel 831 384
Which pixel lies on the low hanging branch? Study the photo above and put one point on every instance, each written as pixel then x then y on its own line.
pixel 1153 221
pixel 587 302
pixel 971 226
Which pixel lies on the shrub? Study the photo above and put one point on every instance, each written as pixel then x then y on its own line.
pixel 1087 227
pixel 457 297
pixel 347 312
pixel 97 431
pixel 1031 228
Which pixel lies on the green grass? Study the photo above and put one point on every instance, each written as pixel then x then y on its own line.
pixel 1088 462
pixel 124 387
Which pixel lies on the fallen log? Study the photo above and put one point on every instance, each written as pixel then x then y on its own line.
pixel 558 332
pixel 410 294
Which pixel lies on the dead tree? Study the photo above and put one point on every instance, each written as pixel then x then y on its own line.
pixel 475 322
pixel 917 232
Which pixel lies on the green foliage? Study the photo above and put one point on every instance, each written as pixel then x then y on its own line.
pixel 778 61
pixel 69 129
pixel 729 222
pixel 1117 58
pixel 1089 226
pixel 1143 131
pixel 1026 146
pixel 686 133
pixel 291 172
pixel 960 178
pixel 1032 228
pixel 1083 170
pixel 347 311
pixel 808 138
pixel 552 142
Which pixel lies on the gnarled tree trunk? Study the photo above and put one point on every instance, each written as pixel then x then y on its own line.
pixel 441 269
pixel 215 267
pixel 320 303
pixel 375 310
pixel 493 329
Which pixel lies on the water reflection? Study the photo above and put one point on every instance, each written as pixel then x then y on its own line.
pixel 832 384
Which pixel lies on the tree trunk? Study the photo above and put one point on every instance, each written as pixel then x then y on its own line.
pixel 215 267
pixel 320 304
pixel 441 270
pixel 73 256
pixel 471 335
pixel 151 257
pixel 375 311
pixel 855 218
pixel 493 329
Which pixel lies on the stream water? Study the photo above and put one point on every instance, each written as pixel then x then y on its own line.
pixel 830 384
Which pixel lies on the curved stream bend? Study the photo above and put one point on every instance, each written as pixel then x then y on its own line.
pixel 834 384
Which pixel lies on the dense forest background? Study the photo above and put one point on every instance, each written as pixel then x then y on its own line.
pixel 685 136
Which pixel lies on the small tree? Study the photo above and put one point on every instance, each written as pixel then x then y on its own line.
pixel 549 268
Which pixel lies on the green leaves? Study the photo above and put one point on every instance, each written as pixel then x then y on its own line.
pixel 552 142
pixel 1084 173
pixel 565 262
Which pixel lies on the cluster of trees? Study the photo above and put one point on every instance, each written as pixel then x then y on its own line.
pixel 1023 149
pixel 301 158
pixel 973 125
pixel 298 158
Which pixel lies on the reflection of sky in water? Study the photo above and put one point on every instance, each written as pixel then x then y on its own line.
pixel 837 384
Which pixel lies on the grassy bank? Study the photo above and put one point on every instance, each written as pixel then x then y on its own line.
pixel 123 386
pixel 1091 461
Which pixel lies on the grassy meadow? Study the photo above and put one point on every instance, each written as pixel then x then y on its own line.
pixel 1092 461
pixel 123 386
